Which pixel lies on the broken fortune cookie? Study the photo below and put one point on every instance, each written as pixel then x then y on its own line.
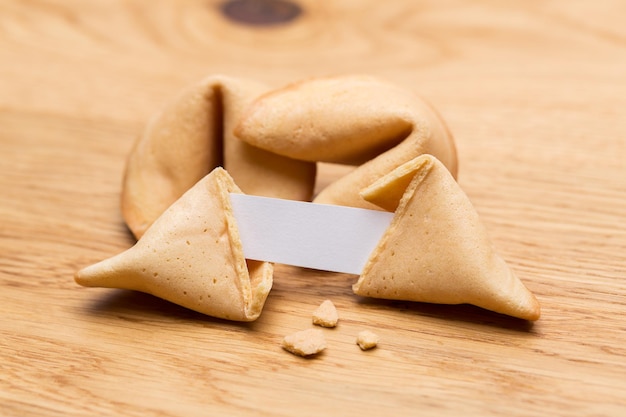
pixel 192 256
pixel 436 250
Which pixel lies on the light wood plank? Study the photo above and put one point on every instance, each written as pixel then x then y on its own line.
pixel 534 93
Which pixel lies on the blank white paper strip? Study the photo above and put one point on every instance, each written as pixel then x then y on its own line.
pixel 318 236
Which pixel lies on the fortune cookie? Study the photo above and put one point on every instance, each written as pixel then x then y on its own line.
pixel 354 119
pixel 194 134
pixel 326 119
pixel 436 250
pixel 192 256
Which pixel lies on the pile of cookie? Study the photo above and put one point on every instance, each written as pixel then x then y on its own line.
pixel 228 135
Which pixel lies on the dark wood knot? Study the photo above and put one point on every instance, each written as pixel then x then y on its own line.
pixel 260 12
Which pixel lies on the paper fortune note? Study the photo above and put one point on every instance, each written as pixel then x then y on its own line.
pixel 318 236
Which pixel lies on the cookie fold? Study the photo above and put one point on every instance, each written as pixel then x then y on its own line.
pixel 192 135
pixel 344 119
pixel 192 256
pixel 436 250
pixel 349 119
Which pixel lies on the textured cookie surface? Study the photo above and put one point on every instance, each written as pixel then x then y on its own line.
pixel 436 250
pixel 326 315
pixel 192 256
pixel 192 135
pixel 347 119
pixel 305 342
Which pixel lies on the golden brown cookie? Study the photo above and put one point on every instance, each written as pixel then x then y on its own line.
pixel 305 343
pixel 191 136
pixel 367 340
pixel 436 250
pixel 192 256
pixel 354 119
pixel 326 315
pixel 345 119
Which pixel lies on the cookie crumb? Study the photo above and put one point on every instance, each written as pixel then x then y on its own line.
pixel 305 342
pixel 326 315
pixel 367 340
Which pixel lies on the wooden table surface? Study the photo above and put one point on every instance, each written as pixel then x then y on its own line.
pixel 535 94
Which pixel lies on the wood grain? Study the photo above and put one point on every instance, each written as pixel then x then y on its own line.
pixel 534 93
